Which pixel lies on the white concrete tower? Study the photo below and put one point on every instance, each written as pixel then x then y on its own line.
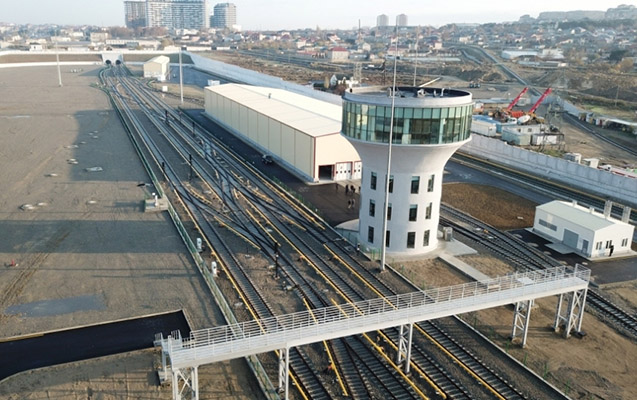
pixel 430 124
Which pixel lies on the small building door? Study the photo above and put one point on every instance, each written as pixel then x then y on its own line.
pixel 585 246
pixel 358 166
pixel 570 239
pixel 343 171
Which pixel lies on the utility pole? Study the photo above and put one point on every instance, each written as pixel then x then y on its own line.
pixel 416 59
pixel 57 57
pixel 181 78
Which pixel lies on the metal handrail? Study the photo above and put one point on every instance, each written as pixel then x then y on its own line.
pixel 442 298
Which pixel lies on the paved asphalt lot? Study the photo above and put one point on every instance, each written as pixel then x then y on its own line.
pixel 87 342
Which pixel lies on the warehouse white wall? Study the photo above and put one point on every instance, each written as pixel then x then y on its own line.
pixel 291 148
pixel 332 149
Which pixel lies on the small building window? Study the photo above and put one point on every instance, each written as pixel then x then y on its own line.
pixel 370 234
pixel 428 211
pixel 372 181
pixel 425 239
pixel 372 208
pixel 411 240
pixel 624 242
pixel 389 212
pixel 609 243
pixel 598 246
pixel 415 184
pixel 391 184
pixel 430 184
pixel 387 233
pixel 547 225
pixel 413 212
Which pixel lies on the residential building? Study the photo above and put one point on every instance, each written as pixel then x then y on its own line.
pixel 225 16
pixel 135 13
pixel 178 14
pixel 382 20
pixel 401 20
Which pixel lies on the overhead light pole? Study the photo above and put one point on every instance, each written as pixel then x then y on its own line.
pixel 383 243
pixel 181 78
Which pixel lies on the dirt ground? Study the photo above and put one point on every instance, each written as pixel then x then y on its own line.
pixel 68 246
pixel 75 233
pixel 598 366
pixel 482 202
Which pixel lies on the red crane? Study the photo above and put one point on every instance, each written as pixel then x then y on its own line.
pixel 540 100
pixel 515 101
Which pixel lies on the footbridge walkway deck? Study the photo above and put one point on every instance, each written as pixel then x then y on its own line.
pixel 283 332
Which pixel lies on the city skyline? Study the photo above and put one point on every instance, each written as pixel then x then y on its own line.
pixel 313 14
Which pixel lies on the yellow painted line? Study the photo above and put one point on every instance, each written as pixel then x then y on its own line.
pixel 389 360
pixel 434 341
pixel 198 228
pixel 329 353
pixel 291 221
pixel 277 190
pixel 482 381
pixel 422 373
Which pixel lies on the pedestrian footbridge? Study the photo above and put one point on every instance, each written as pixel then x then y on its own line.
pixel 283 332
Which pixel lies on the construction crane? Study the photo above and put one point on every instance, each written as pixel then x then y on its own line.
pixel 515 101
pixel 540 100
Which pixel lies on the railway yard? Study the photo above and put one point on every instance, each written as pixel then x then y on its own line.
pixel 76 231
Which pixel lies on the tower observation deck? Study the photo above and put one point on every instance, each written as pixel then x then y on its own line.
pixel 430 124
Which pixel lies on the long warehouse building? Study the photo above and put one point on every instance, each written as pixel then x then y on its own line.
pixel 302 134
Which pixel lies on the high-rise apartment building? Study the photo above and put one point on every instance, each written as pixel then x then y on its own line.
pixel 382 20
pixel 178 14
pixel 401 20
pixel 225 16
pixel 135 13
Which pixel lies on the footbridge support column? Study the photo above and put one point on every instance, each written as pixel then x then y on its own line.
pixel 185 380
pixel 521 319
pixel 284 371
pixel 404 346
pixel 571 317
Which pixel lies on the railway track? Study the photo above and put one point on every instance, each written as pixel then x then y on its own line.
pixel 524 257
pixel 311 258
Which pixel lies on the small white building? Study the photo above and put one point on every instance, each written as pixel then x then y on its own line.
pixel 483 125
pixel 157 67
pixel 586 231
pixel 522 135
pixel 301 133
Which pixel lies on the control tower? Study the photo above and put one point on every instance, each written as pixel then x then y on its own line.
pixel 430 124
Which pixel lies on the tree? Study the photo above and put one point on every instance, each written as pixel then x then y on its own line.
pixel 626 65
pixel 617 55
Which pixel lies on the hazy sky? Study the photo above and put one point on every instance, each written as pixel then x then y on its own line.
pixel 293 14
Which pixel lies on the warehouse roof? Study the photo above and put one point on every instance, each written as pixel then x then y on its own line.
pixel 159 60
pixel 582 216
pixel 313 117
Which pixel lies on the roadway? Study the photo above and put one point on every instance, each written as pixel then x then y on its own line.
pixel 63 346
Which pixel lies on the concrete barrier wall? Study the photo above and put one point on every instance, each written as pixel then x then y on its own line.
pixel 238 74
pixel 602 183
